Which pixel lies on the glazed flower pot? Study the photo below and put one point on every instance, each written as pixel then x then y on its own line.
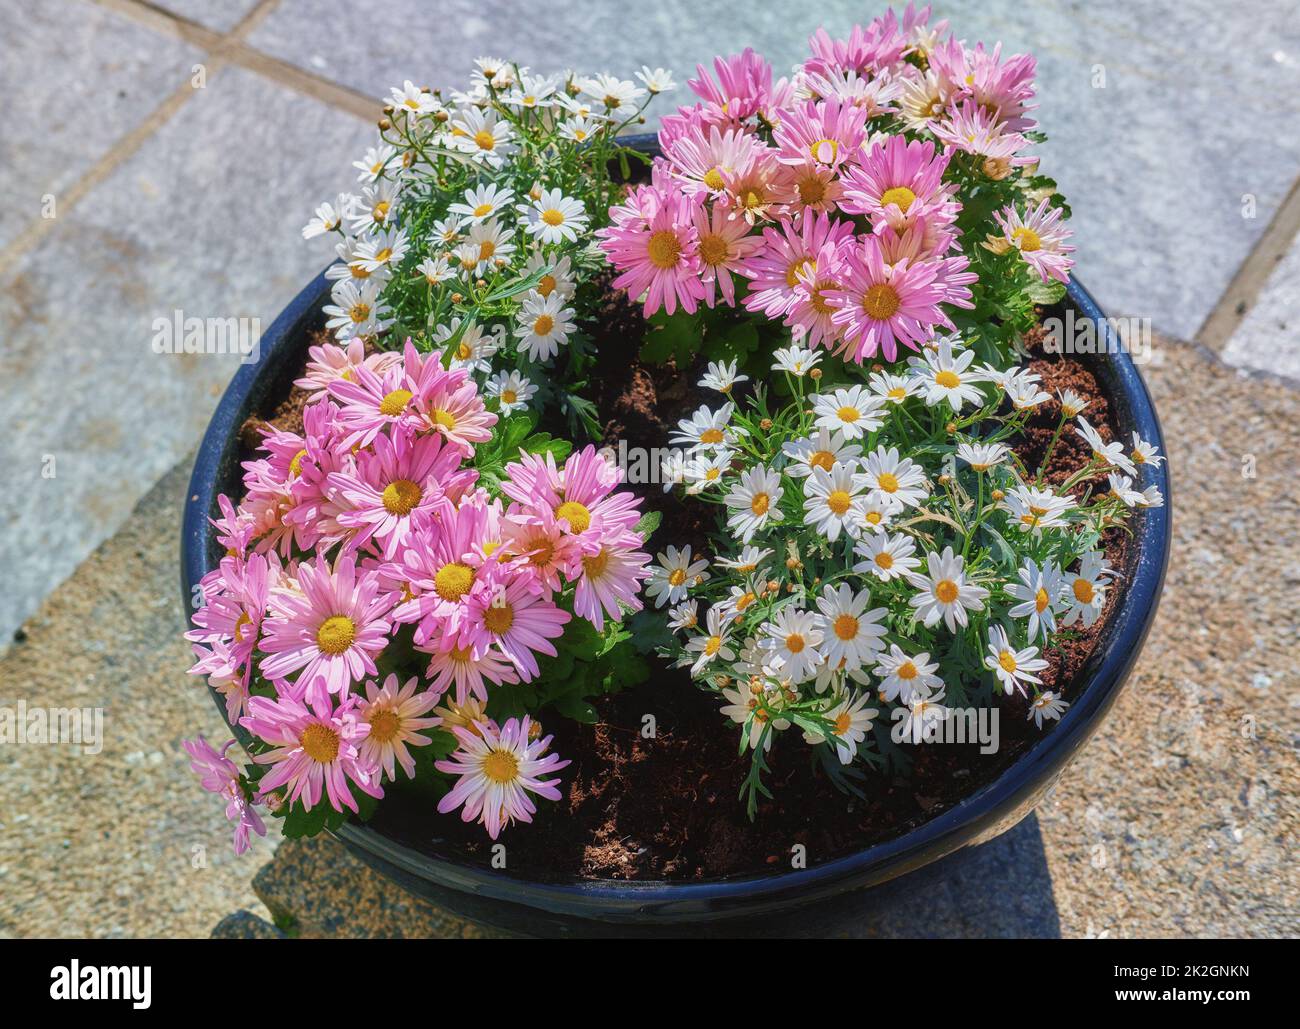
pixel 510 900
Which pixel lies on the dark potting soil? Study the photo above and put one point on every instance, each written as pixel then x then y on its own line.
pixel 667 807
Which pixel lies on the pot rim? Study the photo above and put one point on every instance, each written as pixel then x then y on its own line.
pixel 980 815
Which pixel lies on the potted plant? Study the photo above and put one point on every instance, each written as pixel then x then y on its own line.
pixel 811 324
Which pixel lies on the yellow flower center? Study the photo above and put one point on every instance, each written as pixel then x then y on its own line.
pixel 1083 591
pixel 794 643
pixel 384 726
pixel 401 496
pixel 453 581
pixel 499 619
pixel 444 418
pixel 577 515
pixel 792 273
pixel 744 600
pixel 812 190
pixel 838 501
pixel 872 517
pixel 880 301
pixel 846 627
pixel 336 634
pixel 885 560
pixel 240 622
pixel 486 249
pixel 1027 240
pixel 394 403
pixel 887 482
pixel 595 566
pixel 359 271
pixel 843 722
pixel 482 210
pixel 552 216
pixel 1041 600
pixel 824 150
pixel 484 140
pixel 501 767
pixel 947 379
pixel 380 211
pixel 823 459
pixel 713 250
pixel 1007 660
pixel 464 351
pixel 509 396
pixel 677 576
pixel 359 312
pixel 945 590
pixel 295 465
pixel 898 393
pixel 907 670
pixel 760 503
pixel 712 645
pixel 544 324
pixel 546 286
pixel 848 414
pixel 664 249
pixel 712 436
pixel 320 742
pixel 900 195
pixel 713 179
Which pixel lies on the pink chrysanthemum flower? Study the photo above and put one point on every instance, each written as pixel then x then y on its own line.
pixel 219 775
pixel 611 575
pixel 1003 90
pixel 548 553
pixel 224 676
pixel 470 674
pixel 395 717
pixel 588 495
pixel 898 182
pixel 329 362
pixel 656 255
pixel 314 747
pixel 868 50
pixel 971 128
pixel 234 530
pixel 742 89
pixel 518 621
pixel 881 305
pixel 400 484
pixel 370 402
pixel 812 316
pixel 759 188
pixel 330 632
pixel 1040 237
pixel 498 769
pixel 232 613
pixel 699 154
pixel 450 404
pixel 822 133
pixel 788 249
pixel 724 245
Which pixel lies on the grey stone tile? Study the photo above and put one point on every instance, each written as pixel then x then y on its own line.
pixel 204 218
pixel 1268 338
pixel 76 78
pixel 222 15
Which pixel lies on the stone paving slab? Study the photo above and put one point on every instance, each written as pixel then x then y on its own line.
pixel 107 844
pixel 1268 338
pixel 76 78
pixel 222 15
pixel 203 219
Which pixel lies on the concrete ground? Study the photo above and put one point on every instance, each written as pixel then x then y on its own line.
pixel 162 156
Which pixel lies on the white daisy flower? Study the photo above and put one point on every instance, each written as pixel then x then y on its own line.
pixel 792 639
pixel 1144 452
pixel 1072 405
pixel 447 231
pixel 1151 497
pixel 925 715
pixel 755 704
pixel 822 451
pixel 1024 392
pixel 473 349
pixel 383 251
pixel 658 80
pixel 581 129
pixel 674 575
pixel 721 376
pixel 1034 509
pixel 850 720
pixel 706 428
pixel 684 616
pixel 754 501
pixel 581 107
pixel 617 95
pixel 796 360
pixel 1085 590
pixel 329 217
pixel 353 265
pixel 554 218
pixel 894 389
pixel 712 644
pixel 512 390
pixel 886 557
pixel 356 310
pixel 483 202
pixel 872 514
pixel 1046 705
pixel 1121 488
pixel 493 72
pixel 544 325
pixel 1039 593
pixel 1013 667
pixel 481 135
pixel 947 377
pixel 829 497
pixel 374 162
pixel 1109 454
pixel 672 469
pixel 945 593
pixel 375 208
pixel 903 676
pixel 738 601
pixel 533 92
pixel 485 244
pixel 854 411
pixel 747 562
pixel 436 270
pixel 890 478
pixel 413 100
pixel 851 635
pixel 557 274
pixel 982 456
pixel 705 470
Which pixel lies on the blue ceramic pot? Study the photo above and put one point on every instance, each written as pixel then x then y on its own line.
pixel 606 906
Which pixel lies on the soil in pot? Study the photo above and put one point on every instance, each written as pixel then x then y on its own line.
pixel 668 808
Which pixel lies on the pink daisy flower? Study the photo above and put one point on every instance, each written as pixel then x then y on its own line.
pixel 611 576
pixel 1040 237
pixel 657 256
pixel 234 529
pixel 548 553
pixel 974 130
pixel 758 188
pixel 313 748
pixel 868 50
pixel 394 716
pixel 399 484
pixel 232 613
pixel 699 154
pixel 812 316
pixel 330 631
pixel 742 89
pixel 1003 90
pixel 898 182
pixel 881 305
pixel 224 676
pixel 788 249
pixel 450 404
pixel 518 621
pixel 370 402
pixel 470 674
pixel 723 245
pixel 824 133
pixel 329 362
pixel 498 769
pixel 218 774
